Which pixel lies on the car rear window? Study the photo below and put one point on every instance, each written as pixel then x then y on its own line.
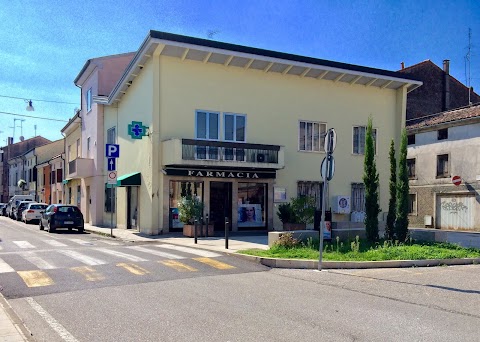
pixel 68 209
pixel 38 206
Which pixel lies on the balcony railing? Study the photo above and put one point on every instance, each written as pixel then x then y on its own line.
pixel 222 153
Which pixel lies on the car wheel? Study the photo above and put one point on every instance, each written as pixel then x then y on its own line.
pixel 81 229
pixel 51 227
pixel 40 225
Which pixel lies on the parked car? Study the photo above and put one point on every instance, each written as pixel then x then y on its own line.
pixel 33 211
pixel 3 209
pixel 61 216
pixel 14 201
pixel 17 213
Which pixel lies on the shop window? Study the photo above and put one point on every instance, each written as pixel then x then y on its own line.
pixel 179 189
pixel 251 204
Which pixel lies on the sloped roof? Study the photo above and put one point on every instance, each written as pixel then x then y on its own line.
pixel 46 152
pixel 451 116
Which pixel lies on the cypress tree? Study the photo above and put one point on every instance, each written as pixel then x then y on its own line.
pixel 392 203
pixel 370 179
pixel 401 223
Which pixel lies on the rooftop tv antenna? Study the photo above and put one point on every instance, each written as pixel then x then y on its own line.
pixel 468 77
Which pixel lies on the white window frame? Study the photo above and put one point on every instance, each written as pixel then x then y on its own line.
pixel 375 145
pixel 235 115
pixel 207 128
pixel 415 205
pixel 88 147
pixel 321 139
pixel 89 100
pixel 79 149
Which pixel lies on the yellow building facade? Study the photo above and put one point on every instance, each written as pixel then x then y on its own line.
pixel 242 129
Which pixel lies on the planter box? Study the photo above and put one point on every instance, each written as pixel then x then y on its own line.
pixel 188 230
pixel 294 226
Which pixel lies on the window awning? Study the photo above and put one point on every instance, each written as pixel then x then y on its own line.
pixel 131 179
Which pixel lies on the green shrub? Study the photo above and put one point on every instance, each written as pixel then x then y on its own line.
pixel 287 241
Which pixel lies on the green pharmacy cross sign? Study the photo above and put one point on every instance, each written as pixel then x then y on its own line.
pixel 136 130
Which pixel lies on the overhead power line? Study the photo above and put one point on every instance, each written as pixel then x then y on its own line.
pixel 34 117
pixel 22 98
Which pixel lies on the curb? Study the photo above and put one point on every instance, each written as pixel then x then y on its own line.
pixel 15 320
pixel 313 264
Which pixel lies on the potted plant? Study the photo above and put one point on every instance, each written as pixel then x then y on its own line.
pixel 190 208
pixel 296 214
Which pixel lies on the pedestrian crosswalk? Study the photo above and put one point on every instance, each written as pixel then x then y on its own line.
pixel 36 265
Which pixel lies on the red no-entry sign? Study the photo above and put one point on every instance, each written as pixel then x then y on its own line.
pixel 457 180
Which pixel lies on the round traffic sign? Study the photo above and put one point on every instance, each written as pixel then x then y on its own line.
pixel 330 141
pixel 457 180
pixel 327 169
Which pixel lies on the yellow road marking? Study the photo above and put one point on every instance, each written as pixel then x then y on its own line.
pixel 89 273
pixel 178 265
pixel 214 263
pixel 35 278
pixel 132 268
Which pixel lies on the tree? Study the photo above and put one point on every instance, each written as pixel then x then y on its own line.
pixel 370 179
pixel 401 223
pixel 392 203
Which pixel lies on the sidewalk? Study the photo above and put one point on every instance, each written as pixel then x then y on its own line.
pixel 10 331
pixel 235 243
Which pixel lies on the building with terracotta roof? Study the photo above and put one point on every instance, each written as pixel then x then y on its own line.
pixel 444 148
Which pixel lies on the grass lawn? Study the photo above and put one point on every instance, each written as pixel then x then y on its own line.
pixel 360 250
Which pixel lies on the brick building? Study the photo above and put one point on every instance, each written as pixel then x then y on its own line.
pixel 440 90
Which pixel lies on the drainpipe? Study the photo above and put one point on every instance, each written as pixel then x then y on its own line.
pixel 446 84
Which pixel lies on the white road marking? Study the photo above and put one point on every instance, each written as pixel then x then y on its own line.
pixel 52 322
pixel 120 254
pixel 111 243
pixel 55 243
pixel 158 253
pixel 194 251
pixel 82 258
pixel 5 268
pixel 23 244
pixel 82 242
pixel 37 261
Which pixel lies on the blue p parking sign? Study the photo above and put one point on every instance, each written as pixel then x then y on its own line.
pixel 112 151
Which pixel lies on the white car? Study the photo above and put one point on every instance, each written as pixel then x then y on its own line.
pixel 33 211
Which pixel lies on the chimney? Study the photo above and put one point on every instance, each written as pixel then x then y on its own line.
pixel 10 140
pixel 446 84
pixel 402 64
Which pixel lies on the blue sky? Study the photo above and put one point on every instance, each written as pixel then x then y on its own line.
pixel 44 44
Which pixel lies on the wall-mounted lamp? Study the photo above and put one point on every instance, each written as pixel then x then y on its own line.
pixel 30 106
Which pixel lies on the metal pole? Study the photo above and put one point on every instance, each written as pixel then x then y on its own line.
pixel 322 223
pixel 226 232
pixel 206 226
pixel 111 210
pixel 195 230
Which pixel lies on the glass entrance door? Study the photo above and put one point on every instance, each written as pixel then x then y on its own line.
pixel 220 204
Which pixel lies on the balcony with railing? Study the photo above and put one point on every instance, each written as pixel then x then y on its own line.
pixel 80 168
pixel 191 152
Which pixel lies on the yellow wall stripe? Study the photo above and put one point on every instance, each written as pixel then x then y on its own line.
pixel 132 268
pixel 35 278
pixel 89 273
pixel 214 263
pixel 178 265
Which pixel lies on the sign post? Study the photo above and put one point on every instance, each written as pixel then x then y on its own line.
pixel 327 169
pixel 112 151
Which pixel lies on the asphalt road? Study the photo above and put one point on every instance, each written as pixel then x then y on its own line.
pixel 225 300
